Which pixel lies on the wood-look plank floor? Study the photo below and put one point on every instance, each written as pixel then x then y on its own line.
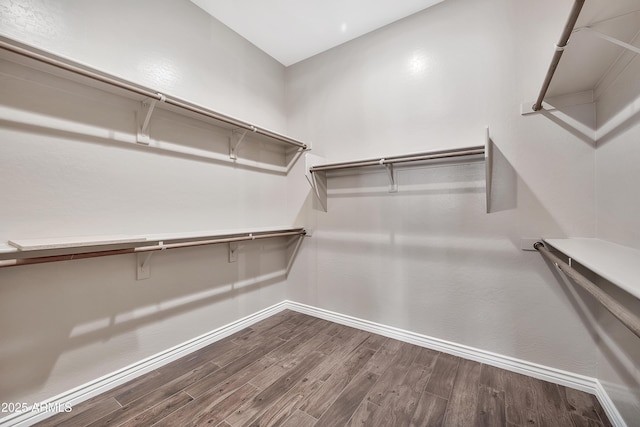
pixel 296 370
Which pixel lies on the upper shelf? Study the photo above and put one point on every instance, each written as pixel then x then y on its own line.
pixel 599 41
pixel 316 171
pixel 150 99
pixel 616 263
pixel 587 62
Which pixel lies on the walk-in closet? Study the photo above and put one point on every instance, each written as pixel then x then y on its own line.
pixel 320 213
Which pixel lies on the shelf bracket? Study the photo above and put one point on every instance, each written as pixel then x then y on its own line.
pixel 144 266
pixel 393 184
pixel 233 252
pixel 237 136
pixel 610 39
pixel 143 116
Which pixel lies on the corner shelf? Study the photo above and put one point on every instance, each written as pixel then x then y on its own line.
pixel 150 100
pixel 618 264
pixel 603 42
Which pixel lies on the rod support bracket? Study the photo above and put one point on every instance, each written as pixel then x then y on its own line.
pixel 237 137
pixel 143 264
pixel 391 173
pixel 143 117
pixel 233 252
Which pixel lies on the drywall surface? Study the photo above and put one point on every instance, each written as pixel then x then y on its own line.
pixel 618 204
pixel 428 258
pixel 70 166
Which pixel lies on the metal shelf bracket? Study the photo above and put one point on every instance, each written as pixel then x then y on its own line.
pixel 143 116
pixel 143 264
pixel 237 136
pixel 393 183
pixel 233 252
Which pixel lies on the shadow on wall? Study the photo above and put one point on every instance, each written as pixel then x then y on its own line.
pixel 98 117
pixel 618 368
pixel 50 310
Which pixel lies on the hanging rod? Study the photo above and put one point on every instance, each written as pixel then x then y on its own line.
pixel 157 247
pixel 619 311
pixel 564 39
pixel 84 71
pixel 416 157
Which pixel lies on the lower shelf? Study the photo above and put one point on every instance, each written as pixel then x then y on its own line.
pixel 616 263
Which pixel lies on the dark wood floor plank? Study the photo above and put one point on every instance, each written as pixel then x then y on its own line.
pixel 346 404
pixel 194 414
pixel 221 390
pixel 337 356
pixel 342 335
pixel 83 416
pixel 520 400
pixel 159 411
pixel 147 385
pixel 300 419
pixel 462 407
pixel 164 391
pixel 429 411
pixel 399 408
pixel 387 386
pixel 375 341
pixel 289 404
pixel 340 377
pixel 364 415
pixel 306 340
pixel 383 357
pixel 580 402
pixel 426 357
pixel 213 380
pixel 493 377
pixel 551 411
pixel 443 376
pixel 491 408
pixel 253 409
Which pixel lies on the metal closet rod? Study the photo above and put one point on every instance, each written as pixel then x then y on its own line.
pixel 417 157
pixel 620 312
pixel 564 39
pixel 158 247
pixel 140 90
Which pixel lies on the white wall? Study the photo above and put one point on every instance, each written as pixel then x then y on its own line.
pixel 618 204
pixel 428 258
pixel 70 166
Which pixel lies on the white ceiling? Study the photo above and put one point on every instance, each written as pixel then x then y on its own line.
pixel 293 30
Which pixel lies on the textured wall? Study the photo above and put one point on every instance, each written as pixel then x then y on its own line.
pixel 428 258
pixel 70 166
pixel 618 204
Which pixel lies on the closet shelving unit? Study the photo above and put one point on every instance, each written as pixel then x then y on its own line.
pixel 43 250
pixel 239 131
pixel 36 251
pixel 317 172
pixel 618 264
pixel 599 40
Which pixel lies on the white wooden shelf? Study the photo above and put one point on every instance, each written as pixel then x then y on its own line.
pixel 618 264
pixel 316 170
pixel 604 41
pixel 240 132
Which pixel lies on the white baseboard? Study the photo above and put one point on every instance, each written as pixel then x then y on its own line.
pixel 107 382
pixel 121 376
pixel 546 373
